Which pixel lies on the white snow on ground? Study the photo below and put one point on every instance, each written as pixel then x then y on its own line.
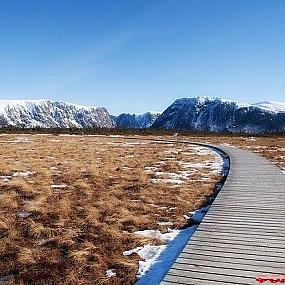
pixel 127 144
pixel 23 174
pixel 190 168
pixel 110 273
pixel 20 140
pixel 126 168
pixel 5 177
pixel 170 235
pixel 158 259
pixel 199 214
pixel 166 180
pixel 174 175
pixel 134 143
pixel 24 214
pixel 227 144
pixel 116 136
pixel 58 186
pixel 164 223
pixel 164 256
pixel 148 252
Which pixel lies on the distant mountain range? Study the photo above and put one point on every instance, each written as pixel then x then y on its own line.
pixel 52 114
pixel 135 121
pixel 219 115
pixel 200 114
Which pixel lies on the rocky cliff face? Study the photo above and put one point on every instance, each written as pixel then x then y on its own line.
pixel 52 114
pixel 219 115
pixel 133 121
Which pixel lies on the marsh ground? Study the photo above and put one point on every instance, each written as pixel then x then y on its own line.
pixel 272 148
pixel 71 206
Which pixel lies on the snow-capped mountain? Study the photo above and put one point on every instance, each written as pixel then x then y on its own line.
pixel 134 121
pixel 272 106
pixel 52 114
pixel 220 115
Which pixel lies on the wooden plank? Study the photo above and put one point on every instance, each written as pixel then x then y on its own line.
pixel 234 240
pixel 260 250
pixel 234 228
pixel 207 267
pixel 233 255
pixel 242 234
pixel 245 220
pixel 271 252
pixel 256 226
pixel 235 262
pixel 194 281
pixel 185 276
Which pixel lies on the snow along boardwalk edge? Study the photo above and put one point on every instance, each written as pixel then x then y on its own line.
pixel 241 238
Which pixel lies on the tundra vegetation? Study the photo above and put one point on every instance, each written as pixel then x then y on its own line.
pixel 70 205
pixel 271 147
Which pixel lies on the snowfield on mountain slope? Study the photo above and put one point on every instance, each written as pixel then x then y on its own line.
pixel 272 106
pixel 204 114
pixel 52 114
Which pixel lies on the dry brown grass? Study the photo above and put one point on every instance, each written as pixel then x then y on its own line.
pixel 73 233
pixel 272 148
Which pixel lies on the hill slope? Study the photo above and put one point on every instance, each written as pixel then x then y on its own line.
pixel 134 121
pixel 52 114
pixel 219 115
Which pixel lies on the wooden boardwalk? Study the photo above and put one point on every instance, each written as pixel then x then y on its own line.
pixel 243 234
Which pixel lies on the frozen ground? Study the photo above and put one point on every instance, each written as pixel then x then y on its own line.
pixel 158 259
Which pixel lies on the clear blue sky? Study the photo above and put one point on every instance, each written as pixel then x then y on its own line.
pixel 140 55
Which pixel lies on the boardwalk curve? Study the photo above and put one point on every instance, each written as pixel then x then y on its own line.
pixel 243 233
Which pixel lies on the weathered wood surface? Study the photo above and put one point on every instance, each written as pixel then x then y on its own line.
pixel 243 233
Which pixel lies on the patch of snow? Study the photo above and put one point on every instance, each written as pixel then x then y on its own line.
pixel 272 106
pixel 5 177
pixel 116 136
pixel 170 181
pixel 163 142
pixel 150 168
pixel 168 236
pixel 134 143
pixel 110 273
pixel 227 144
pixel 24 214
pixel 23 174
pixel 165 223
pixel 58 186
pixel 165 257
pixel 199 214
pixel 149 253
pixel 126 168
pixel 20 140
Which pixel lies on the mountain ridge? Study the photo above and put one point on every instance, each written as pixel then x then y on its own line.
pixel 207 114
pixel 135 121
pixel 52 114
pixel 202 114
